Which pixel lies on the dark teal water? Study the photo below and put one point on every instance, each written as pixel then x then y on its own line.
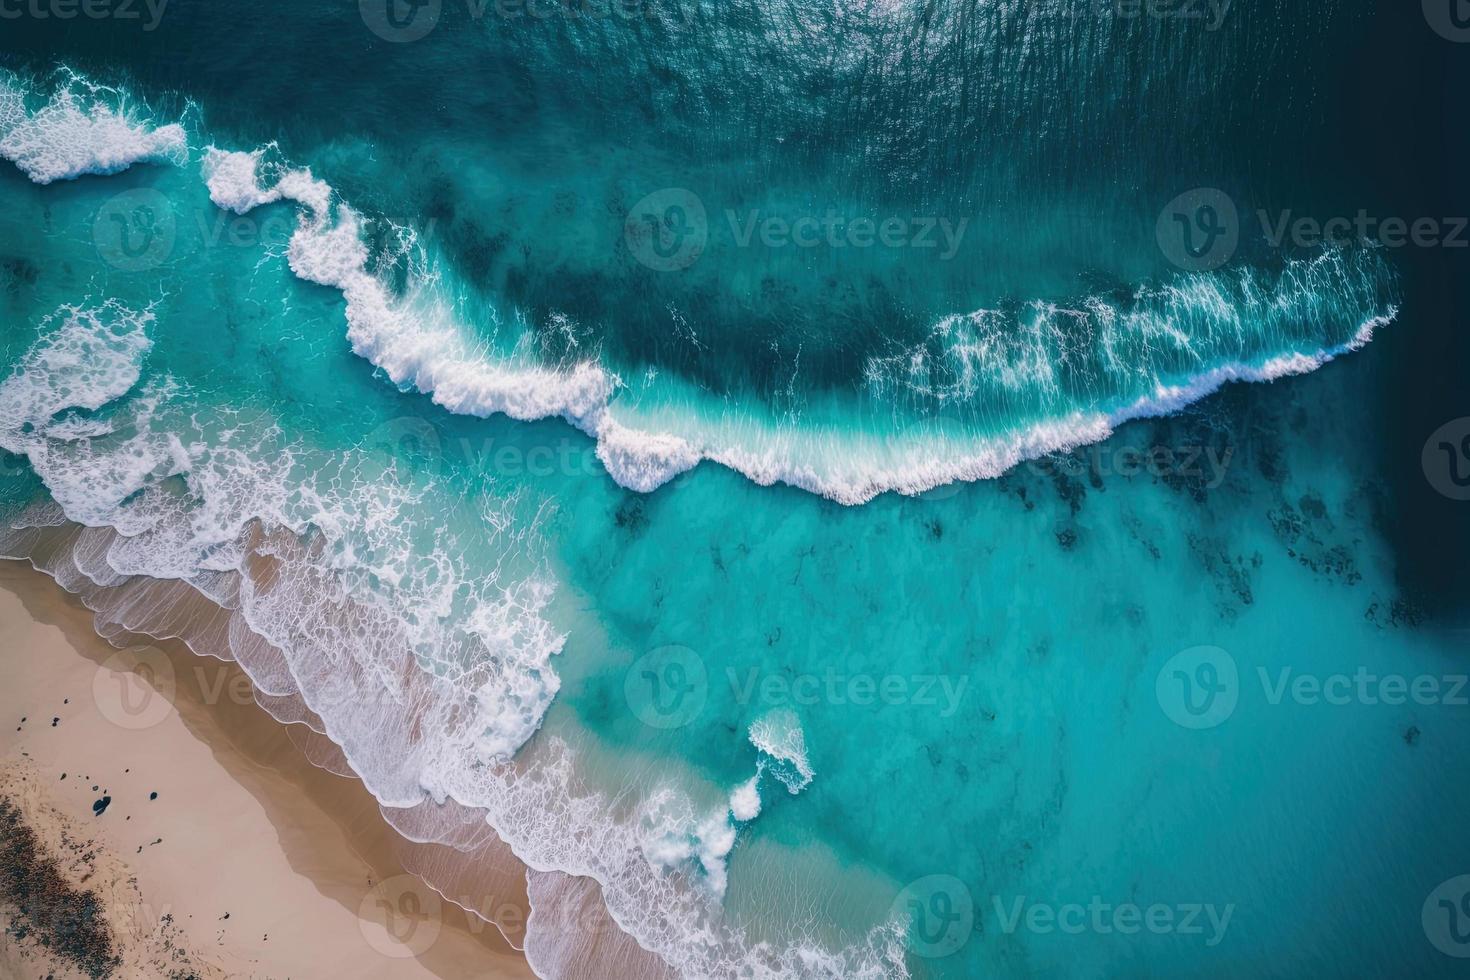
pixel 566 258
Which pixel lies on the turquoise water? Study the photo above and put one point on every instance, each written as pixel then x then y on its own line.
pixel 842 608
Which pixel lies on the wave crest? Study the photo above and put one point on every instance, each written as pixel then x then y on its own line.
pixel 84 128
pixel 1014 385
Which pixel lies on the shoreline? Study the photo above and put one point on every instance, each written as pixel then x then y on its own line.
pixel 266 865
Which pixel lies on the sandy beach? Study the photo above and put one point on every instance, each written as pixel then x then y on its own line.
pixel 148 779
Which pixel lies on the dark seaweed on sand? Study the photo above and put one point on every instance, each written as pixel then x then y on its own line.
pixel 67 922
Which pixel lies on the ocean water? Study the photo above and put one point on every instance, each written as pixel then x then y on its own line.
pixel 838 489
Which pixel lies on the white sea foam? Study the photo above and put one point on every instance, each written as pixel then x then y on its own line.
pixel 642 461
pixel 87 357
pixel 107 470
pixel 779 735
pixel 745 799
pixel 1170 398
pixel 84 128
pixel 234 185
pixel 417 341
pixel 674 834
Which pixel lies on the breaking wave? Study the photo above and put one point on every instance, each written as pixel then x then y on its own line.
pixel 987 391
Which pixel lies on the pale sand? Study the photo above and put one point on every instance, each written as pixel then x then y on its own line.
pixel 243 825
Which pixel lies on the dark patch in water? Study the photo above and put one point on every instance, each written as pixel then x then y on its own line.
pixel 1012 486
pixel 1135 530
pixel 1399 611
pixel 16 272
pixel 1305 532
pixel 1314 508
pixel 1069 489
pixel 630 516
pixel 1230 574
